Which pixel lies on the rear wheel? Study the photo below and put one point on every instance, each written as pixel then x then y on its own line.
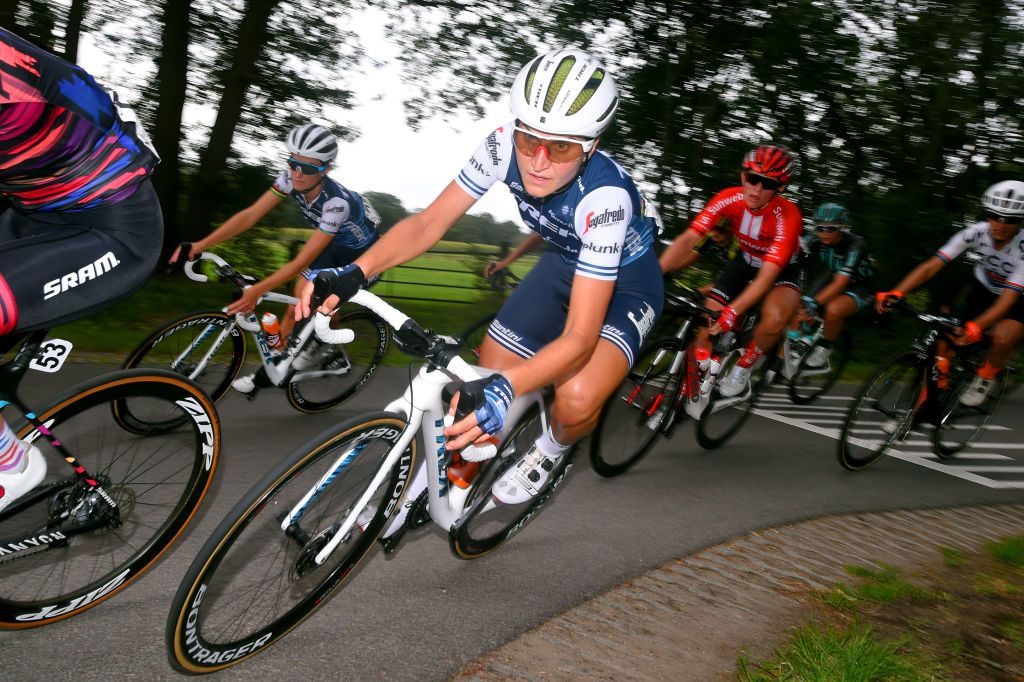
pixel 631 419
pixel 207 347
pixel 961 424
pixel 256 578
pixel 344 369
pixel 810 383
pixel 488 523
pixel 883 411
pixel 76 548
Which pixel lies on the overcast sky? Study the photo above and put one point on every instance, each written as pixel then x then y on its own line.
pixel 388 156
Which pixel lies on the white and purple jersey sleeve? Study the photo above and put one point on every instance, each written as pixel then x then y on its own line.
pixel 602 219
pixel 488 164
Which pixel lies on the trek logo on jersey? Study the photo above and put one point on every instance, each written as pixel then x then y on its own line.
pixel 597 220
pixel 101 266
pixel 645 322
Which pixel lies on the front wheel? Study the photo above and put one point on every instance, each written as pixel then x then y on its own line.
pixel 883 411
pixel 69 546
pixel 343 369
pixel 632 417
pixel 809 383
pixel 486 524
pixel 207 347
pixel 724 416
pixel 257 576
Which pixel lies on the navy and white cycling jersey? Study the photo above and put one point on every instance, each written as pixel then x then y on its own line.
pixel 336 210
pixel 595 223
pixel 997 269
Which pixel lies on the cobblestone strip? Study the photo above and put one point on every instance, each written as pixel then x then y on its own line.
pixel 688 618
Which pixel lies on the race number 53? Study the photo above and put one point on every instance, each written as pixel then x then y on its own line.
pixel 51 356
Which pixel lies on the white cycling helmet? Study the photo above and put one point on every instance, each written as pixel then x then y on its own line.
pixel 313 141
pixel 565 92
pixel 1005 198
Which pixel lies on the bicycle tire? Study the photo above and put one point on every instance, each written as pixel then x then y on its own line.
pixel 487 524
pixel 158 482
pixel 164 348
pixel 629 424
pixel 363 356
pixel 212 622
pixel 717 424
pixel 472 337
pixel 892 393
pixel 810 383
pixel 960 424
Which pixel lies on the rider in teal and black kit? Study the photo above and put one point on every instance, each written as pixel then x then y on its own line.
pixel 82 227
pixel 843 287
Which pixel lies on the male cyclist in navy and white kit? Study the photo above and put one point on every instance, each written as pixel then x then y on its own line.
pixel 345 222
pixel 994 302
pixel 598 260
pixel 82 227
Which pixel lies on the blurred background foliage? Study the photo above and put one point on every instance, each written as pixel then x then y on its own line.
pixel 903 110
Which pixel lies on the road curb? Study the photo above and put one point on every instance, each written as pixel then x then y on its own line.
pixel 689 618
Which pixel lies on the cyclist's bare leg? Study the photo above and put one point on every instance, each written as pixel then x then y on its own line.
pixel 777 309
pixel 578 398
pixel 702 337
pixel 288 321
pixel 837 310
pixel 1005 334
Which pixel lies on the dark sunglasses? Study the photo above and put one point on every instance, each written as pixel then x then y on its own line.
pixel 1004 219
pixel 827 228
pixel 306 168
pixel 766 183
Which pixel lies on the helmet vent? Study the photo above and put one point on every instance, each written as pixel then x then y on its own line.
pixel 557 80
pixel 588 91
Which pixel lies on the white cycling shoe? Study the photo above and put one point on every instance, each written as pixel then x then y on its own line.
pixel 978 392
pixel 819 356
pixel 525 479
pixel 735 382
pixel 26 475
pixel 245 384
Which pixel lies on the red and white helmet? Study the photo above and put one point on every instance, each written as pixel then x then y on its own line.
pixel 772 161
pixel 1005 199
pixel 565 92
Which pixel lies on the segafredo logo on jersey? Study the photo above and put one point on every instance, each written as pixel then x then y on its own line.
pixel 491 143
pixel 100 266
pixel 598 219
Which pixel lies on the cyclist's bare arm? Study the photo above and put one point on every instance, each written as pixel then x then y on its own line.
pixel 674 257
pixel 836 287
pixel 757 288
pixel 529 244
pixel 313 247
pixel 588 306
pixel 236 224
pixel 915 278
pixel 998 309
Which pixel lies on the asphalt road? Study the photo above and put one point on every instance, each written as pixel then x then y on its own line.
pixel 421 614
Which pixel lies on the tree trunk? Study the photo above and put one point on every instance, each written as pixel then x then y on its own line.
pixel 73 30
pixel 251 36
pixel 171 83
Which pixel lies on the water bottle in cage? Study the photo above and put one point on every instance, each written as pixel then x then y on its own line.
pixel 271 327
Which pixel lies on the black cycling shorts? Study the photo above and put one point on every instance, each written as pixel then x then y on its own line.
pixel 979 299
pixel 738 274
pixel 56 267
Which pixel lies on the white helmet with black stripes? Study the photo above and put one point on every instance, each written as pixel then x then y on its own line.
pixel 314 141
pixel 1005 199
pixel 565 92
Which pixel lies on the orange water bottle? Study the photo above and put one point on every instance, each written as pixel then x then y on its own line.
pixel 271 327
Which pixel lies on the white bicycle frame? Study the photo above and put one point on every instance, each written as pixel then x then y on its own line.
pixel 423 407
pixel 249 323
